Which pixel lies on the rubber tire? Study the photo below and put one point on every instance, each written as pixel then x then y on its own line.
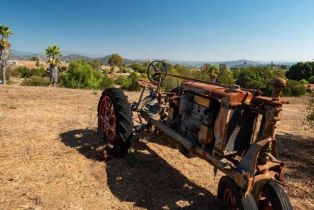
pixel 247 203
pixel 124 121
pixel 277 196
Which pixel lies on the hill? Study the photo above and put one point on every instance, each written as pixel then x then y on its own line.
pixel 73 57
pixel 70 56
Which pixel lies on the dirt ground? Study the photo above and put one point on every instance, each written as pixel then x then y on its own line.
pixel 50 159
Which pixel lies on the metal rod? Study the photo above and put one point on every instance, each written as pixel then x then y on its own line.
pixel 140 99
pixel 203 81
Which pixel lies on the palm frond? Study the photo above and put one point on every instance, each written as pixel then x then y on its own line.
pixel 53 51
pixel 5 31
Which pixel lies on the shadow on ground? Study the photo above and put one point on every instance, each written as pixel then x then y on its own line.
pixel 298 152
pixel 143 177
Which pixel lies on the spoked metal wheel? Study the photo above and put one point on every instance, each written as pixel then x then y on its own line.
pixel 107 115
pixel 274 197
pixel 156 71
pixel 115 121
pixel 230 194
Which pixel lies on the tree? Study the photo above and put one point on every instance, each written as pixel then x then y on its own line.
pixel 257 78
pixel 115 60
pixel 95 64
pixel 208 72
pixel 311 79
pixel 5 45
pixel 34 58
pixel 224 76
pixel 80 74
pixel 53 53
pixel 301 70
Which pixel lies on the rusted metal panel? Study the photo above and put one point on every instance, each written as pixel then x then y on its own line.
pixel 221 125
pixel 227 95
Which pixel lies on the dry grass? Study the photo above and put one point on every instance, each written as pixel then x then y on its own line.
pixel 50 159
pixel 32 64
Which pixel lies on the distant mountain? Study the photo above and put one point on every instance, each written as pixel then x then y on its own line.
pixel 18 55
pixel 70 56
pixel 73 57
pixel 241 63
pixel 104 60
pixel 236 63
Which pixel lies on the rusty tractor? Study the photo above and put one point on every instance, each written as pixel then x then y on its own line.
pixel 230 127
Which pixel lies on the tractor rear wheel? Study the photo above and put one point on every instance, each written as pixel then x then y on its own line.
pixel 231 196
pixel 273 196
pixel 115 121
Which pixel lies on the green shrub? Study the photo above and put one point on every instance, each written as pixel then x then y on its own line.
pixel 106 82
pixel 304 81
pixel 81 75
pixel 122 80
pixel 24 71
pixel 95 64
pixel 138 68
pixel 311 79
pixel 16 73
pixel 38 72
pixel 225 77
pixel 257 78
pixel 170 83
pixel 36 81
pixel 124 69
pixel 294 88
pixel 62 68
pixel 301 70
pixel 129 83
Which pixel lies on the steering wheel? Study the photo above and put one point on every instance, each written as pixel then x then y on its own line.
pixel 156 71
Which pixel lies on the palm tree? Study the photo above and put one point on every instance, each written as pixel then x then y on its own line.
pixel 53 53
pixel 5 45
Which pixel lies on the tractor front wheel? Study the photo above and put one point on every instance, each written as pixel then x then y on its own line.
pixel 230 194
pixel 115 121
pixel 273 196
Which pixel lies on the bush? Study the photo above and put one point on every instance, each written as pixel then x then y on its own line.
pixel 38 72
pixel 257 78
pixel 124 69
pixel 311 79
pixel 138 68
pixel 62 68
pixel 129 83
pixel 301 70
pixel 95 64
pixel 294 88
pixel 225 77
pixel 24 71
pixel 122 80
pixel 81 75
pixel 36 81
pixel 171 82
pixel 16 73
pixel 106 82
pixel 303 81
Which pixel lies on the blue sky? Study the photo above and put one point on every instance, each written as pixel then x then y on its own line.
pixel 196 30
